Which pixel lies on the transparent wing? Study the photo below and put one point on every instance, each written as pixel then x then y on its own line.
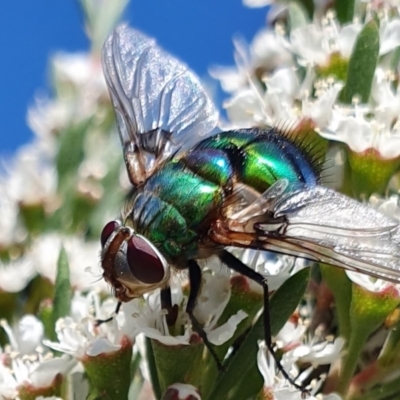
pixel 160 105
pixel 320 224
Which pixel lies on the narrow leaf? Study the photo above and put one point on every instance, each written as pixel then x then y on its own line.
pixel 362 64
pixel 63 290
pixel 71 149
pixel 344 10
pixel 282 304
pixel 151 364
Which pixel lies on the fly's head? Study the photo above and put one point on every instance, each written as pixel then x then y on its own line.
pixel 131 264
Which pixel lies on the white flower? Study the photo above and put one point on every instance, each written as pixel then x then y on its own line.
pixel 321 109
pixel 81 93
pixel 266 52
pixel 213 298
pixel 254 106
pixel 16 274
pixel 276 386
pixel 31 179
pixel 37 371
pixel 84 337
pixel 369 126
pixel 373 284
pixel 321 353
pixel 215 293
pixel 386 99
pixel 290 335
pixel 80 253
pixel 81 70
pixel 40 373
pixel 371 134
pixel 150 320
pixel 8 383
pixel 390 206
pixel 276 268
pixel 10 231
pixel 46 118
pixel 26 336
pixel 389 33
pixel 245 109
pixel 315 43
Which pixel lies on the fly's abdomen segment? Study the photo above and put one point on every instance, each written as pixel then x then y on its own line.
pixel 255 157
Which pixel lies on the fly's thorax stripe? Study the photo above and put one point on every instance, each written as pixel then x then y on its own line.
pixel 191 195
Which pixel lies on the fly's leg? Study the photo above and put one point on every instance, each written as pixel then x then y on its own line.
pixel 234 263
pixel 166 304
pixel 104 321
pixel 195 284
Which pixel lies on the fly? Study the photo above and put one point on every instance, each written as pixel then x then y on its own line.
pixel 196 191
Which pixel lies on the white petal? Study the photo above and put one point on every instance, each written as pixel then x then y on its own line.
pixel 214 296
pixel 389 36
pixel 371 284
pixel 46 371
pixel 320 354
pixel 308 43
pixel 285 81
pixel 15 275
pixel 320 111
pixel 230 78
pixel 167 339
pixel 268 51
pixel 101 345
pixel 30 333
pixel 224 332
pixel 389 145
pixel 266 367
pixel 347 37
pixel 244 109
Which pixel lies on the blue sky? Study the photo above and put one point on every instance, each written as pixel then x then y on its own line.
pixel 197 31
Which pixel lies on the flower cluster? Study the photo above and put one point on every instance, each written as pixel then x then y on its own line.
pixel 327 72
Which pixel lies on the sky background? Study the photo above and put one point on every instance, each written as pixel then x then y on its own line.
pixel 197 31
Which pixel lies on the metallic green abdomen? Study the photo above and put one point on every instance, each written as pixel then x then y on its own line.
pixel 179 201
pixel 255 157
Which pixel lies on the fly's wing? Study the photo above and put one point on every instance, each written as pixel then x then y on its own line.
pixel 160 105
pixel 319 224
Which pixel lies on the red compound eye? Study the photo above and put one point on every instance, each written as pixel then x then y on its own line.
pixel 144 262
pixel 108 230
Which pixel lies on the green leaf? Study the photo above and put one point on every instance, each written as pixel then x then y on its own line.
pixel 308 7
pixel 71 153
pixel 297 16
pixel 362 64
pixel 340 285
pixel 344 10
pixel 151 363
pixel 63 290
pixel 282 304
